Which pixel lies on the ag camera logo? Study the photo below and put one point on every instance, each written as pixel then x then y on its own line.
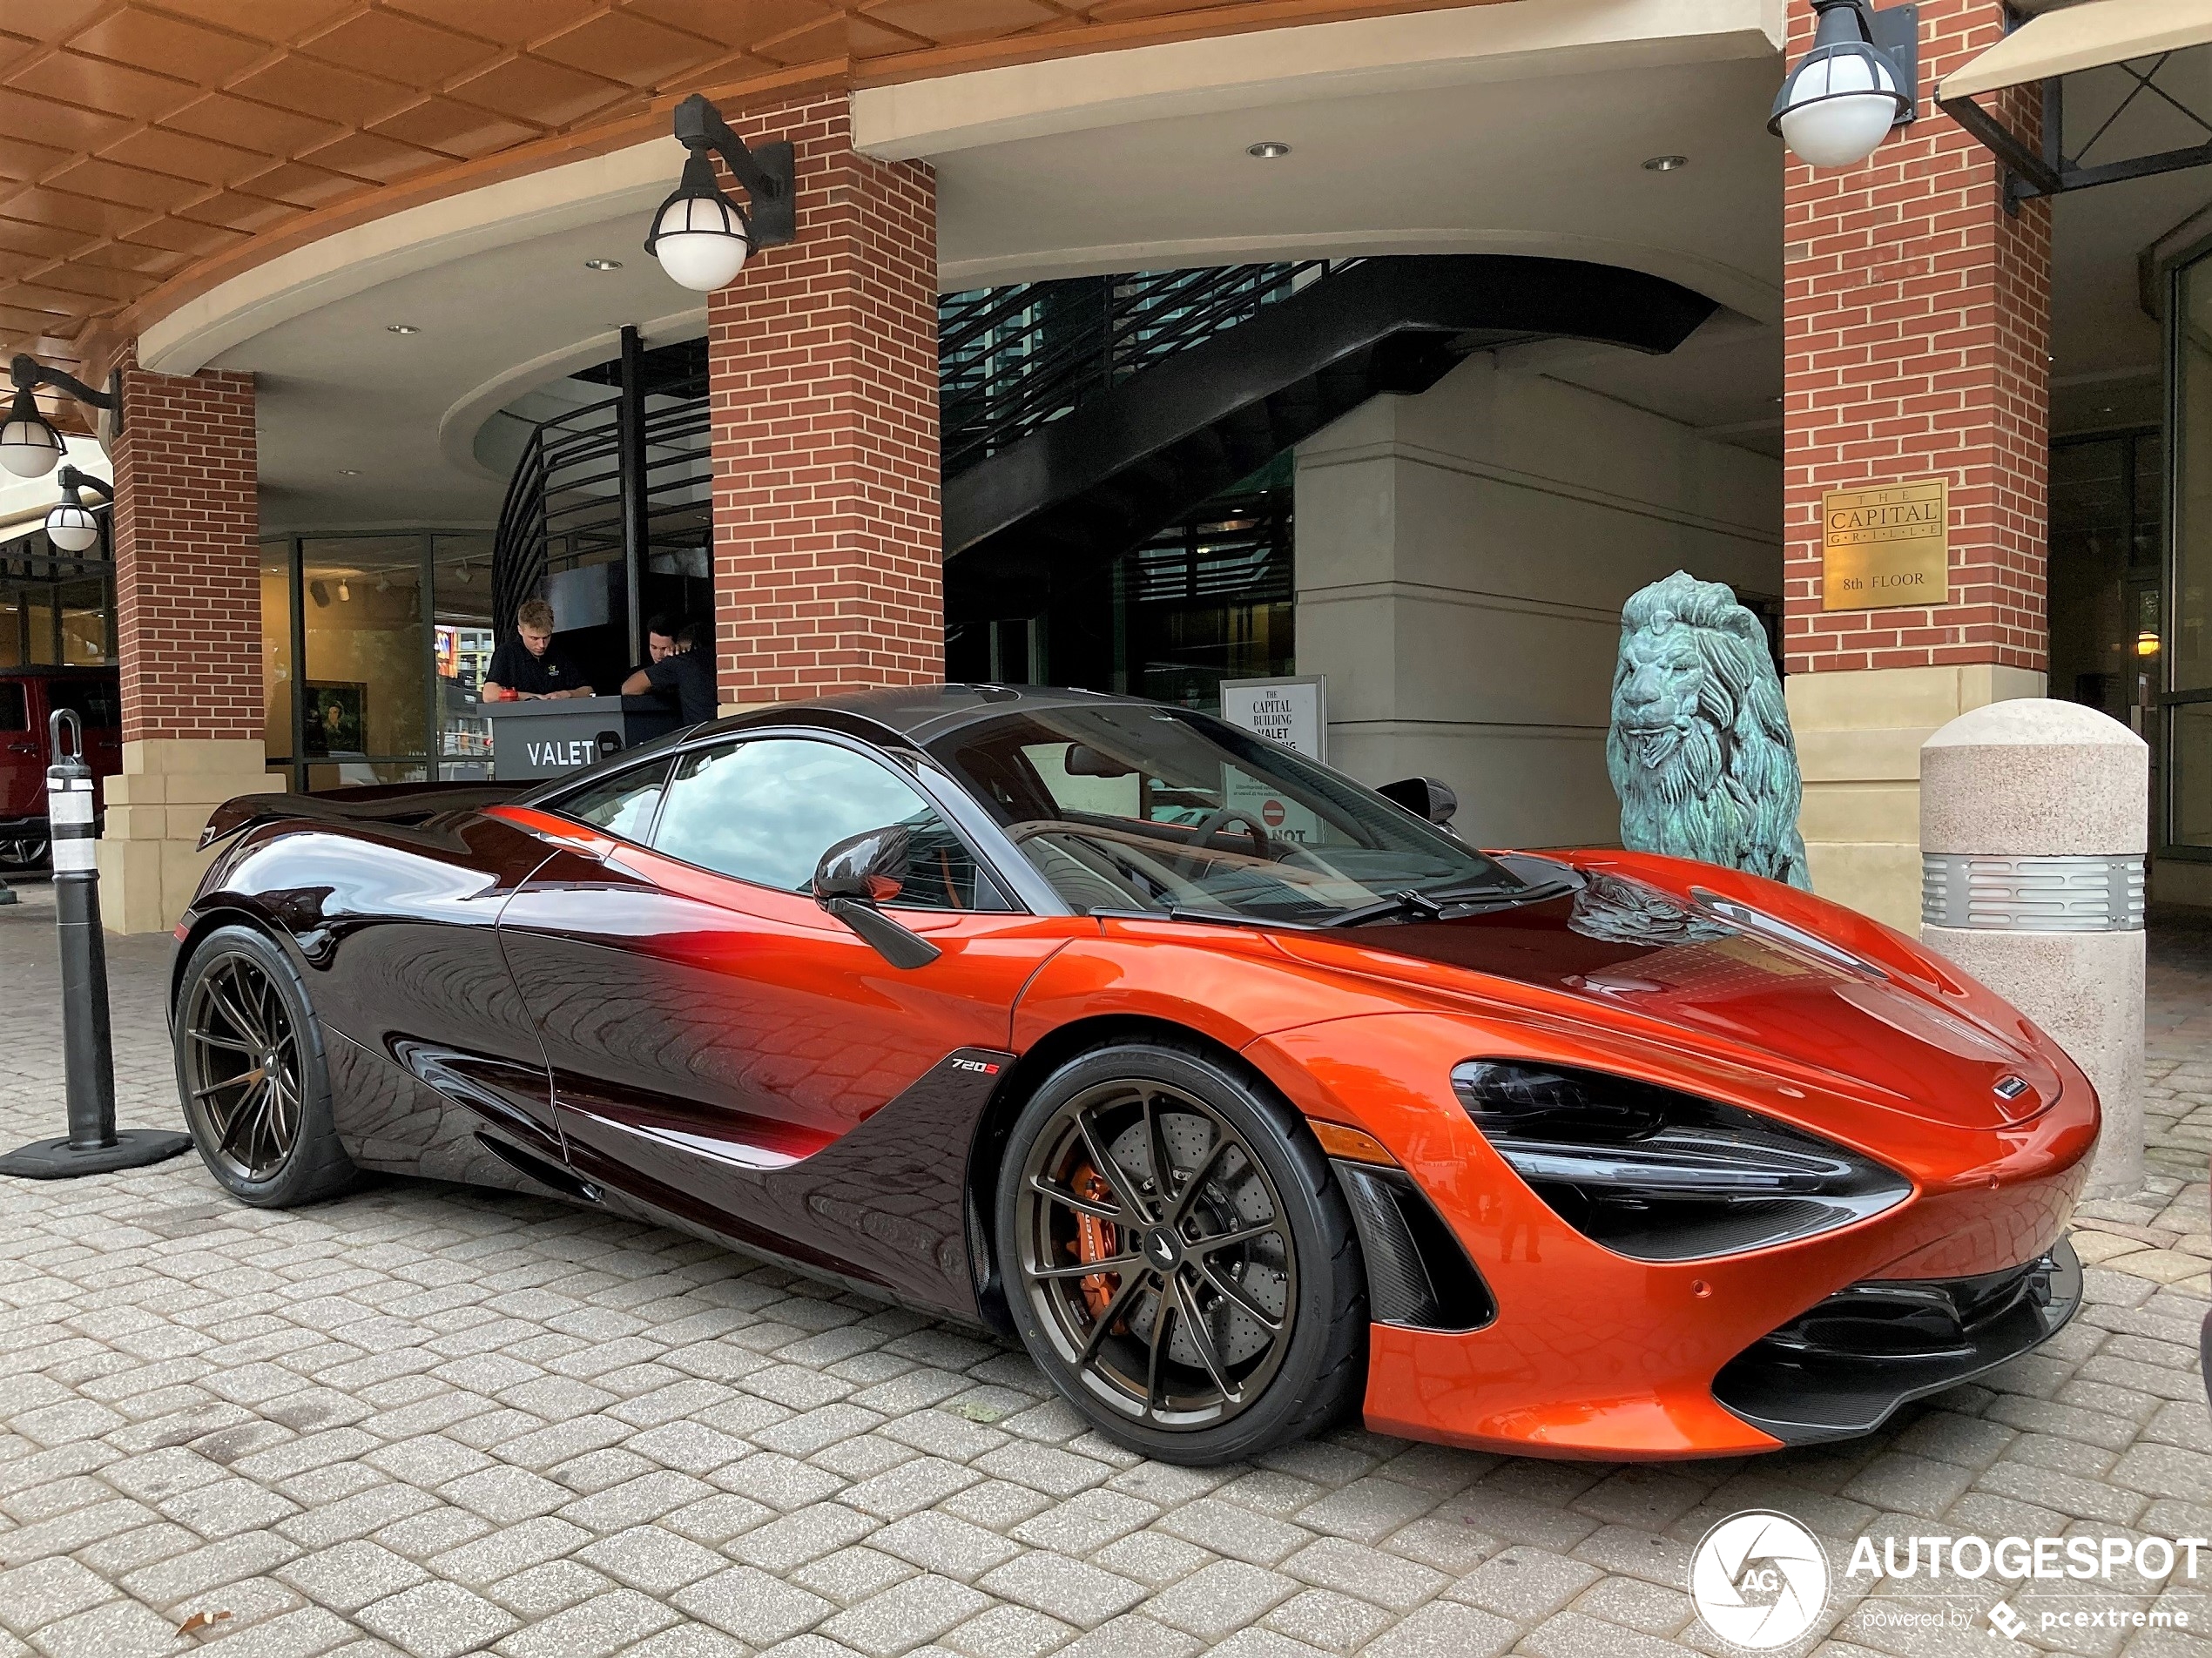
pixel 1759 1580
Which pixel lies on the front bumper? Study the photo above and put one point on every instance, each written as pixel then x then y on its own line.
pixel 1839 1369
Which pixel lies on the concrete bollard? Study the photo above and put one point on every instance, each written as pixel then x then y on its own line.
pixel 2034 817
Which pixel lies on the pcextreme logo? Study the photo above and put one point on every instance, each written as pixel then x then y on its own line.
pixel 1759 1580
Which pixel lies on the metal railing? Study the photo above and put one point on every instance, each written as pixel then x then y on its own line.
pixel 563 503
pixel 1011 360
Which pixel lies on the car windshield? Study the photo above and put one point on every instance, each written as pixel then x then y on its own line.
pixel 1135 807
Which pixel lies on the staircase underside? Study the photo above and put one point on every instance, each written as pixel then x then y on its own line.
pixel 1132 460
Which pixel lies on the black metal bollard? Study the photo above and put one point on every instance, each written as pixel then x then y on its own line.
pixel 93 1145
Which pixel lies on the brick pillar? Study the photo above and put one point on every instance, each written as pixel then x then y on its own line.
pixel 188 616
pixel 1917 323
pixel 828 537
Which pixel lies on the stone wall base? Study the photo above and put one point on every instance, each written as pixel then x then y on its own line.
pixel 155 809
pixel 1859 736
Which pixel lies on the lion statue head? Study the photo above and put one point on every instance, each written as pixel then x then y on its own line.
pixel 1700 751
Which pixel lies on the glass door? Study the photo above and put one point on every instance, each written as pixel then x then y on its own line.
pixel 2186 646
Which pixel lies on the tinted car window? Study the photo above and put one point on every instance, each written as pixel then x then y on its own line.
pixel 622 805
pixel 98 704
pixel 14 715
pixel 768 810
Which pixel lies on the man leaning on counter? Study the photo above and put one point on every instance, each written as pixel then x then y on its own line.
pixel 530 667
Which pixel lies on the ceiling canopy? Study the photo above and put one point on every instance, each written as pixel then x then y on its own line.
pixel 140 142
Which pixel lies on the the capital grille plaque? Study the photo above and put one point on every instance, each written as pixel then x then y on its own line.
pixel 1886 546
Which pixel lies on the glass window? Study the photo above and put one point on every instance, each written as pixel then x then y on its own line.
pixel 15 714
pixel 766 812
pixel 365 687
pixel 622 805
pixel 2191 787
pixel 1155 808
pixel 2191 640
pixel 276 651
pixel 462 641
pixel 98 704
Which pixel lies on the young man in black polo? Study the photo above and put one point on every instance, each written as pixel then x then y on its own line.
pixel 530 666
pixel 687 674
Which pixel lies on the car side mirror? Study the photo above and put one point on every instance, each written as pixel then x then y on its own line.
pixel 1425 796
pixel 861 872
pixel 1082 760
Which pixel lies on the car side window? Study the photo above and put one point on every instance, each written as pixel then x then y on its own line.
pixel 14 715
pixel 623 805
pixel 765 811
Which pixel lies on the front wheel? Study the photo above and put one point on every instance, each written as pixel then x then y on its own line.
pixel 1177 1257
pixel 251 1074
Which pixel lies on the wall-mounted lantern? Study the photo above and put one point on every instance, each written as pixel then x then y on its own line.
pixel 30 446
pixel 701 237
pixel 70 523
pixel 1858 81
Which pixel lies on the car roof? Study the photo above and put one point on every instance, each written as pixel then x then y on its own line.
pixel 919 713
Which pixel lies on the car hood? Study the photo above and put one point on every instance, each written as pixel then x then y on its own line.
pixel 1728 975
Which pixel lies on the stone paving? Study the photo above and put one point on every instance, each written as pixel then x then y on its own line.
pixel 427 1420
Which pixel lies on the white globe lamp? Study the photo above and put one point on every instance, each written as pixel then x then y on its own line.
pixel 700 236
pixel 30 446
pixel 1843 99
pixel 72 529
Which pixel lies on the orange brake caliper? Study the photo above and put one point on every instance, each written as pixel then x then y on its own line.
pixel 1096 1240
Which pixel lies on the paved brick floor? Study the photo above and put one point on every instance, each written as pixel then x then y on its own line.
pixel 434 1421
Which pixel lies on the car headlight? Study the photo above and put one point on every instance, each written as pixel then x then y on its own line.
pixel 1658 1175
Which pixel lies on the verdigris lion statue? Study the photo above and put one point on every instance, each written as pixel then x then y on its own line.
pixel 1700 751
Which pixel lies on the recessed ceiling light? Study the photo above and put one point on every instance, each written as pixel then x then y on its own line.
pixel 349 472
pixel 400 328
pixel 1267 150
pixel 602 264
pixel 1666 163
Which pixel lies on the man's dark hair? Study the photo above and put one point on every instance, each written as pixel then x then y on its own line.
pixel 692 634
pixel 663 623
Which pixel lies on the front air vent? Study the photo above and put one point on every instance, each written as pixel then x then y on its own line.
pixel 1417 1276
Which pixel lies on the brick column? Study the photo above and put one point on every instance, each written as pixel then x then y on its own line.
pixel 828 538
pixel 188 614
pixel 1917 323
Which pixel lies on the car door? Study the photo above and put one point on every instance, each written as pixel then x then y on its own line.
pixel 703 1017
pixel 23 762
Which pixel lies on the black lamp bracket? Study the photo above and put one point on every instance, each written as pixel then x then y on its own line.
pixel 768 171
pixel 28 374
pixel 71 481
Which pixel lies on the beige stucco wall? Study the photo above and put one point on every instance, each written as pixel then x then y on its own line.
pixel 1462 559
pixel 1858 745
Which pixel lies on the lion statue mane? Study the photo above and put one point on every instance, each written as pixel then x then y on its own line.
pixel 1699 749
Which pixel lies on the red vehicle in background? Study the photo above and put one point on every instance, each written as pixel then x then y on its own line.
pixel 27 697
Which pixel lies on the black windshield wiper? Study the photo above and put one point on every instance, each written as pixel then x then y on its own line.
pixel 1412 905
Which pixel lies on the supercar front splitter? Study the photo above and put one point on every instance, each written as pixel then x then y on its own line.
pixel 1840 1368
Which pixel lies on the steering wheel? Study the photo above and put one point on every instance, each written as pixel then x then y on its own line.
pixel 1214 822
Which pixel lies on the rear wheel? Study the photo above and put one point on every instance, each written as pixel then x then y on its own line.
pixel 1177 1257
pixel 251 1074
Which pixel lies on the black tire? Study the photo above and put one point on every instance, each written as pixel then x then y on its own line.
pixel 264 1130
pixel 1252 1242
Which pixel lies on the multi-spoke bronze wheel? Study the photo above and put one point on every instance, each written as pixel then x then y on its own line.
pixel 1168 1234
pixel 1153 1244
pixel 250 1071
pixel 242 1067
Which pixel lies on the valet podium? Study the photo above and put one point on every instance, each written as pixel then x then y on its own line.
pixel 542 739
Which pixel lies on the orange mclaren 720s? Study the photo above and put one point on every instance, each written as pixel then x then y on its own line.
pixel 1242 1094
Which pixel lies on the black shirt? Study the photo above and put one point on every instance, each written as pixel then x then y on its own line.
pixel 513 666
pixel 690 675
